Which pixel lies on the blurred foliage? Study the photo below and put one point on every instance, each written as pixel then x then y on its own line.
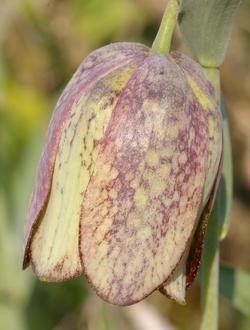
pixel 41 44
pixel 55 301
pixel 233 286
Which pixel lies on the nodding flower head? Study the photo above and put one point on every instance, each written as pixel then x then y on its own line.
pixel 127 175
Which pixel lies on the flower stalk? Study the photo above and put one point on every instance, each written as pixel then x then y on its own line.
pixel 163 38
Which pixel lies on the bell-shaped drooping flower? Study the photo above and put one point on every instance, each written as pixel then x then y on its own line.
pixel 129 164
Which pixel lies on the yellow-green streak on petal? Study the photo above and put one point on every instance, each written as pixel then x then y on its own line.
pixel 203 99
pixel 208 104
pixel 54 247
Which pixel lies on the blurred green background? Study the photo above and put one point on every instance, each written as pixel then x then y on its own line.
pixel 42 42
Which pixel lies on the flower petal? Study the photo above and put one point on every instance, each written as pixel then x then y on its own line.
pixel 202 88
pixel 145 192
pixel 204 92
pixel 185 273
pixel 194 71
pixel 54 246
pixel 97 64
pixel 175 287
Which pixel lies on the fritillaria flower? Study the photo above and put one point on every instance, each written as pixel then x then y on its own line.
pixel 127 176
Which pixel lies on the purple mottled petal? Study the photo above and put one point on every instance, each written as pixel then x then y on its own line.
pixel 204 92
pixel 143 198
pixel 96 65
pixel 195 71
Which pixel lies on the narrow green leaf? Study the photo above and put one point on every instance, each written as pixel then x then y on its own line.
pixel 234 286
pixel 225 192
pixel 206 27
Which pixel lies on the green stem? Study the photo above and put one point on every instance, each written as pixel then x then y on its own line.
pixel 210 277
pixel 163 38
pixel 210 259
